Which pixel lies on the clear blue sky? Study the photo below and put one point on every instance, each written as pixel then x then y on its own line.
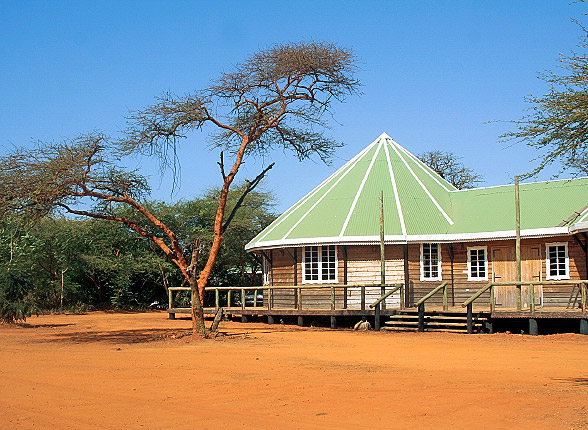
pixel 433 73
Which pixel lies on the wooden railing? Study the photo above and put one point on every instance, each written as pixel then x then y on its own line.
pixel 421 303
pixel 581 284
pixel 381 302
pixel 269 305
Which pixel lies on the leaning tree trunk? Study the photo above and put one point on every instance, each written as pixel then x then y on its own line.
pixel 196 308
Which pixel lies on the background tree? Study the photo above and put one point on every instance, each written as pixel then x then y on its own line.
pixel 557 122
pixel 275 98
pixel 447 165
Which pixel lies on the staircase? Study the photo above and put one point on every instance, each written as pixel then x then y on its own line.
pixel 440 321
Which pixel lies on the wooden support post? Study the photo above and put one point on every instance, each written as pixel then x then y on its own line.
pixel 300 321
pixel 270 319
pixel 382 251
pixel 228 298
pixel 583 290
pixel 242 298
pixel 333 322
pixel 492 299
pixel 345 276
pixel 421 326
pixel 363 297
pixel 532 297
pixel 170 300
pixel 533 327
pixel 216 299
pixel 445 304
pixel 244 318
pixel 402 288
pixel 518 243
pixel 583 326
pixel 470 318
pixel 172 316
pixel 269 299
pixel 406 278
pixel 332 297
pixel 255 293
pixel 299 298
pixel 377 318
pixel 489 327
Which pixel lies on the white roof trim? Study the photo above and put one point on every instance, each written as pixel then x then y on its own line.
pixel 401 239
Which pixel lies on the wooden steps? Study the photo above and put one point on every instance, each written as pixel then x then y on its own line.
pixel 455 322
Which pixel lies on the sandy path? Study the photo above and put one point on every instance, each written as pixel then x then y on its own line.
pixel 125 371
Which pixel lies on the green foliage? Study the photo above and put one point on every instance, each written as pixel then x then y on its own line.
pixel 557 122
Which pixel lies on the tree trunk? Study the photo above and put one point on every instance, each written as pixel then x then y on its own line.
pixel 198 326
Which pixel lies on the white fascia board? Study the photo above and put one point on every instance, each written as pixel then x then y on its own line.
pixel 403 239
pixel 578 227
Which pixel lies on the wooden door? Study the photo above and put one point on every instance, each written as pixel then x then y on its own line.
pixel 504 270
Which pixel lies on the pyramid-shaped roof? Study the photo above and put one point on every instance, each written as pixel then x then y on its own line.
pixel 419 205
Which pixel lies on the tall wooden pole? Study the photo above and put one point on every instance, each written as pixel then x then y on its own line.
pixel 382 249
pixel 518 242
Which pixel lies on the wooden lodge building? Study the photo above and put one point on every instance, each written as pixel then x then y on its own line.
pixel 433 233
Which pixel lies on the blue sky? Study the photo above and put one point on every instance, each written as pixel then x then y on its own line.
pixel 435 74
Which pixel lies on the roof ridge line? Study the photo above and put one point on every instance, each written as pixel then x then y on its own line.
pixel 316 189
pixel 363 153
pixel 360 189
pixel 395 189
pixel 447 217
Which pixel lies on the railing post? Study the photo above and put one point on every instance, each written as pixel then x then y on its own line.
pixel 492 299
pixel 228 298
pixel 583 289
pixel 299 298
pixel 377 318
pixel 363 297
pixel 421 326
pixel 402 296
pixel 170 299
pixel 255 292
pixel 216 299
pixel 383 291
pixel 445 305
pixel 470 318
pixel 332 297
pixel 519 297
pixel 269 299
pixel 242 298
pixel 532 297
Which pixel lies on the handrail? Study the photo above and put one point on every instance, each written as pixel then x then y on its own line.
pixel 478 293
pixel 385 296
pixel 289 287
pixel 431 293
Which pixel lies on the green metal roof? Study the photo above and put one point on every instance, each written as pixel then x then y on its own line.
pixel 419 205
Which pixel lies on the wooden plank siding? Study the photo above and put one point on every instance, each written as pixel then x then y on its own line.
pixel 363 267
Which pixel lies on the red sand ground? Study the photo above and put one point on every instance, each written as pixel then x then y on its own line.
pixel 127 371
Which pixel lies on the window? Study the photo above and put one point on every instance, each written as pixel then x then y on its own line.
pixel 320 264
pixel 556 260
pixel 430 262
pixel 477 264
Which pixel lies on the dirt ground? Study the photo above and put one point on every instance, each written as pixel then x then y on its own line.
pixel 135 370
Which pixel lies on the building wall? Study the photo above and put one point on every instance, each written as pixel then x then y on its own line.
pixel 363 267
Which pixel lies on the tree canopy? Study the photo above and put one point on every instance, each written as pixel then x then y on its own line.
pixel 557 122
pixel 280 97
pixel 447 165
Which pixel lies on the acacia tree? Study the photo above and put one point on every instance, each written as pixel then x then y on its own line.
pixel 447 165
pixel 557 122
pixel 277 98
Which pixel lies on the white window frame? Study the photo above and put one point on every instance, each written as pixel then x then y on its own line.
pixel 439 277
pixel 320 267
pixel 548 265
pixel 477 248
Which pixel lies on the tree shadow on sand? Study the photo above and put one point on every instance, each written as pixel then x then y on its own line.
pixel 117 336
